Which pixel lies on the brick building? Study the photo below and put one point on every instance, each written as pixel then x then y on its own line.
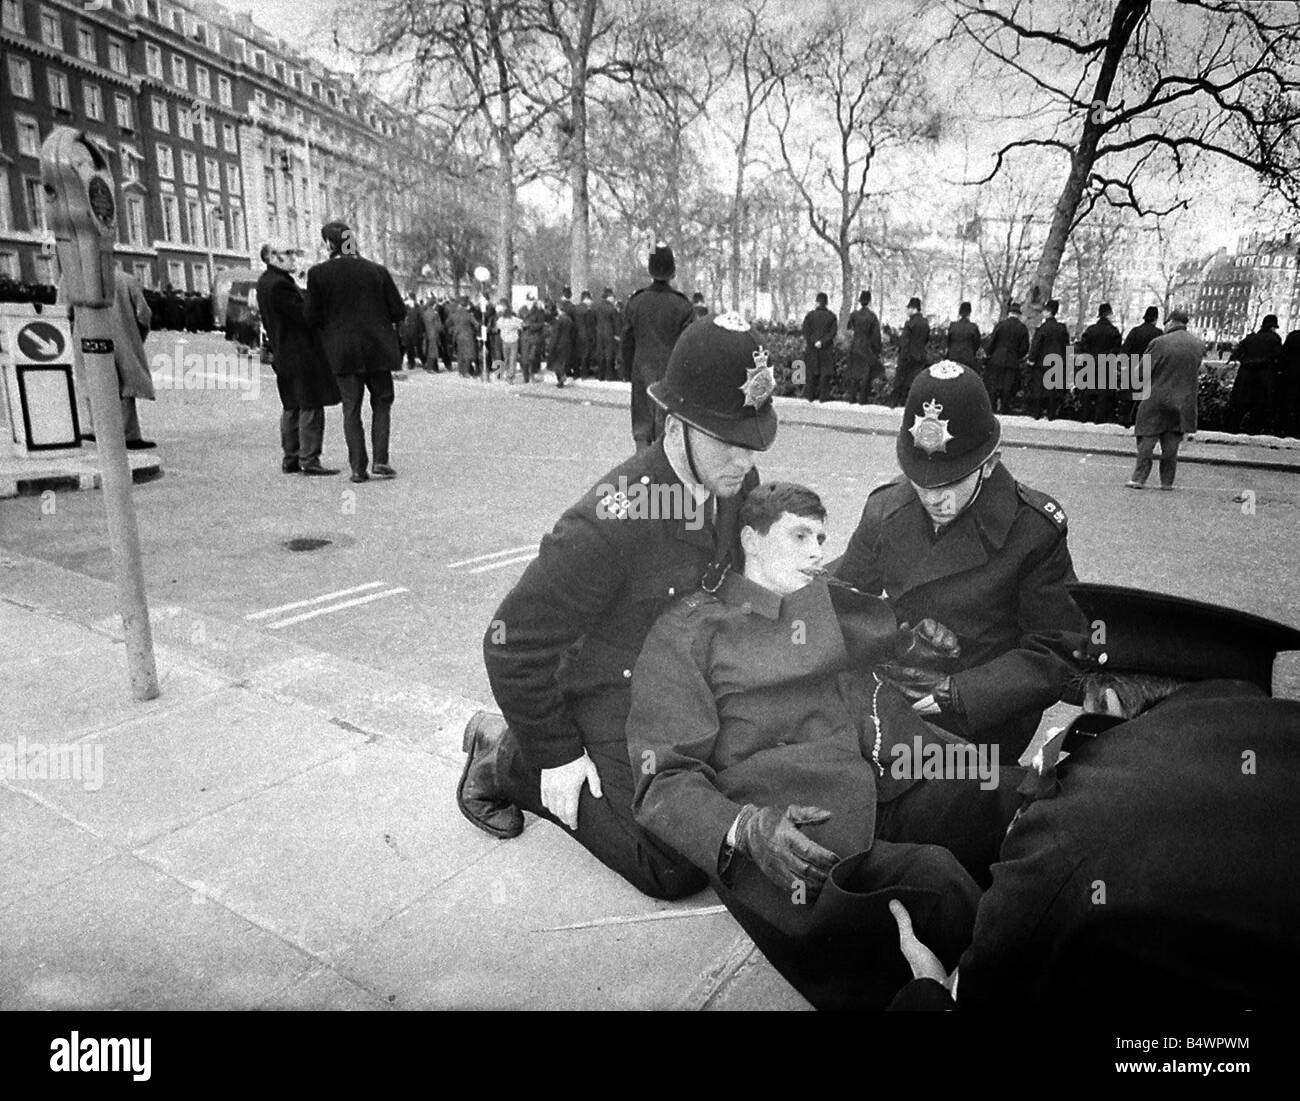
pixel 218 134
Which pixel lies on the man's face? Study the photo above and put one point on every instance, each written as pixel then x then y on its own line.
pixel 788 556
pixel 721 466
pixel 945 503
pixel 284 259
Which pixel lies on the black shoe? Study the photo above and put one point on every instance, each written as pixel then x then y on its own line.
pixel 487 743
pixel 140 445
pixel 317 469
pixel 383 470
pixel 362 477
pixel 289 466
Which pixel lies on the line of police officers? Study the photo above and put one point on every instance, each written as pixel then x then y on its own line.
pixel 959 540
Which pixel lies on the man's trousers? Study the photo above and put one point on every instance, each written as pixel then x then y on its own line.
pixel 353 388
pixel 302 433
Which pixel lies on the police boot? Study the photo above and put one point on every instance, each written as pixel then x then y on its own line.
pixel 489 746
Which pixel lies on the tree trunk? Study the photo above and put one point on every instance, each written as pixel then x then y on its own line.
pixel 738 212
pixel 506 203
pixel 580 220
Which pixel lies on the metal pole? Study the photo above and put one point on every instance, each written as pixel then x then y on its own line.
pixel 80 201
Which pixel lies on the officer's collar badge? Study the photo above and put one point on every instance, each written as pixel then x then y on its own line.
pixel 732 322
pixel 760 383
pixel 929 433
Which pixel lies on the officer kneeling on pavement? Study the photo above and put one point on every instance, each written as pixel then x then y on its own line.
pixel 766 749
pixel 1155 865
pixel 957 539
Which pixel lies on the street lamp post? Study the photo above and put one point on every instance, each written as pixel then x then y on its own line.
pixel 483 274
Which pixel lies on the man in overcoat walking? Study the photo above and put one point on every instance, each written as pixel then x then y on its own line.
pixel 1169 412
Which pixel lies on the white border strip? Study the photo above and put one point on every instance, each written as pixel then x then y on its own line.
pixel 495 554
pixel 314 600
pixel 333 608
pixel 508 562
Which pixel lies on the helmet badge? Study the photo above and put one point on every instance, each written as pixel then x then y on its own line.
pixel 929 433
pixel 759 384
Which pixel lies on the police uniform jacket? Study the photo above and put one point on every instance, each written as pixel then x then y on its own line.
pixel 963 341
pixel 302 376
pixel 560 649
pixel 996 576
pixel 915 336
pixel 1009 344
pixel 1051 338
pixel 864 352
pixel 654 318
pixel 1175 371
pixel 819 326
pixel 746 697
pixel 1135 343
pixel 355 305
pixel 1155 868
pixel 563 349
pixel 606 318
pixel 1101 338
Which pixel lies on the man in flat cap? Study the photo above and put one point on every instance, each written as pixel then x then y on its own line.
pixel 561 647
pixel 957 539
pixel 1154 866
pixel 655 316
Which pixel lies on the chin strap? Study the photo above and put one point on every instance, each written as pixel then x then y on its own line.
pixel 690 455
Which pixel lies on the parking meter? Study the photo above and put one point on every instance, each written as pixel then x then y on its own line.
pixel 82 212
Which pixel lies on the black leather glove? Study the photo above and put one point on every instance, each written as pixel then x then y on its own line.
pixel 916 684
pixel 928 645
pixel 771 838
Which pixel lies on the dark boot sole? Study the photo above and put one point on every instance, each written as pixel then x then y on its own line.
pixel 467 744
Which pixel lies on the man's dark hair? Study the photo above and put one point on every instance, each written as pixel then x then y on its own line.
pixel 765 504
pixel 332 234
pixel 822 299
pixel 964 310
pixel 1151 314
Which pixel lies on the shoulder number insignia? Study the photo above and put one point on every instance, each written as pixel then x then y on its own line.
pixel 614 505
pixel 929 433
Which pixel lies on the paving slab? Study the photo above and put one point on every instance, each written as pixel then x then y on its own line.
pixel 538 923
pixel 50 848
pixel 54 591
pixel 756 984
pixel 159 773
pixel 327 989
pixel 123 936
pixel 329 855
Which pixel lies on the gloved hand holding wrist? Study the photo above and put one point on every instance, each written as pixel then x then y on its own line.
pixel 772 838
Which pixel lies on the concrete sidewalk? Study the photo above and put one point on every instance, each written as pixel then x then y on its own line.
pixel 279 830
pixel 1217 448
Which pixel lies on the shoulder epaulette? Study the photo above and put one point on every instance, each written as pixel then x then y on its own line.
pixel 1043 503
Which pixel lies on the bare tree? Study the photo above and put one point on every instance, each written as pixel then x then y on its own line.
pixel 1131 88
pixel 871 80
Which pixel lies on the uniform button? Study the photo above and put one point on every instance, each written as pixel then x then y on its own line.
pixel 627 673
pixel 671 591
pixel 645 479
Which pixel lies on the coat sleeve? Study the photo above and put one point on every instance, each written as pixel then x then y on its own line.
pixel 873 338
pixel 1038 672
pixel 671 731
pixel 859 565
pixel 312 313
pixel 1036 347
pixel 573 580
pixel 393 299
pixel 627 344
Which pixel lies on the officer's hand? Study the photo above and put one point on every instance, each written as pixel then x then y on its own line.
pixel 562 786
pixel 928 644
pixel 924 963
pixel 914 683
pixel 771 837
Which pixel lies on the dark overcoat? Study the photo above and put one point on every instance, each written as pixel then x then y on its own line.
pixel 964 342
pixel 997 576
pixel 302 375
pixel 1175 371
pixel 819 327
pixel 355 305
pixel 654 318
pixel 864 352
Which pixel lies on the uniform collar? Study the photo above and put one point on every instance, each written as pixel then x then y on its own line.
pixel 738 591
pixel 658 469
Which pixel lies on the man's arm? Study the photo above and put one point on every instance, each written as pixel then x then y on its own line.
pixel 627 349
pixel 286 300
pixel 393 298
pixel 671 731
pixel 1038 671
pixel 312 313
pixel 859 565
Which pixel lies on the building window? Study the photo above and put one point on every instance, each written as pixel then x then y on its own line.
pixel 280 106
pixel 232 178
pixel 170 218
pixel 130 167
pixel 223 91
pixel 178 21
pixel 184 123
pixel 166 165
pixel 299 117
pixel 117 56
pixel 229 138
pixel 216 228
pixel 13 16
pixel 34 193
pixel 20 77
pixel 134 219
pixel 180 72
pixel 237 239
pixel 194 222
pixel 259 97
pixel 51 29
pixel 176 275
pixel 202 81
pixel 153 60
pixel 60 96
pixel 143 274
pixel 86 44
pixel 122 108
pixel 29 136
pixel 159 114
pixel 189 167
pixel 94 102
pixel 200 277
pixel 209 131
pixel 212 173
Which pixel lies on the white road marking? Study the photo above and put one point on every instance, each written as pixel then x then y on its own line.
pixel 508 562
pixel 315 600
pixel 334 608
pixel 494 554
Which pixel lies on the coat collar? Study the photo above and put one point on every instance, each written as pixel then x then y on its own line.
pixel 962 546
pixel 655 469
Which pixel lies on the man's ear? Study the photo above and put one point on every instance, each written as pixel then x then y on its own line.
pixel 748 540
pixel 991 464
